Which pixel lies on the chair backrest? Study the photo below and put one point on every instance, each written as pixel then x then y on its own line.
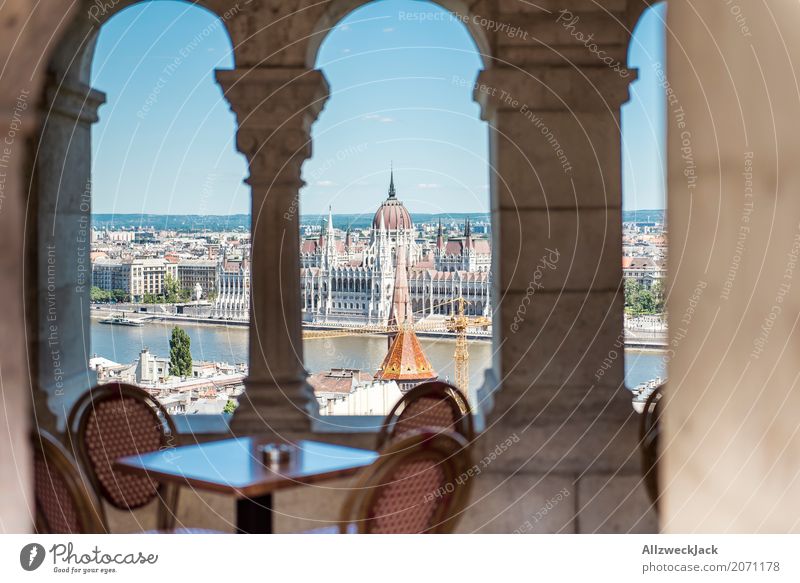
pixel 419 484
pixel 434 405
pixel 649 432
pixel 65 501
pixel 117 420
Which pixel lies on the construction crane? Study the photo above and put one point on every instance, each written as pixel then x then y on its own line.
pixel 459 324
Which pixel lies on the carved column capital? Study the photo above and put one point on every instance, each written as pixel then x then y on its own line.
pixel 583 89
pixel 275 108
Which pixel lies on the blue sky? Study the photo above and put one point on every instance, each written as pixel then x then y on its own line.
pixel 400 93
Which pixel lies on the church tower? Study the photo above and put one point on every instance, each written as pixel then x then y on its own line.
pixel 405 362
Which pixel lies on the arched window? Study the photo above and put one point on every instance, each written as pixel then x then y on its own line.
pixel 644 124
pixel 163 145
pixel 400 142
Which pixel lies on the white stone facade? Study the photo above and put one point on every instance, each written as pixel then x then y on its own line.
pixel 233 295
pixel 343 281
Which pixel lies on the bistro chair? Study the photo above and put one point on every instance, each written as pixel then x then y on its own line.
pixel 65 501
pixel 419 485
pixel 649 434
pixel 434 405
pixel 116 420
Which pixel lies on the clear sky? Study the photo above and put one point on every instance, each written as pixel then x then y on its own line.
pixel 400 93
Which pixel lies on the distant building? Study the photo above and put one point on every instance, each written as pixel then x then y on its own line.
pixel 644 270
pixel 202 272
pixel 344 280
pixel 151 369
pixel 233 290
pixel 352 392
pixel 136 277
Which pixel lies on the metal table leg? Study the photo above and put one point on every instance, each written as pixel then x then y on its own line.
pixel 254 515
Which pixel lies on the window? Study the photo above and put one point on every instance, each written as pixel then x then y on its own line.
pixel 170 214
pixel 397 192
pixel 645 230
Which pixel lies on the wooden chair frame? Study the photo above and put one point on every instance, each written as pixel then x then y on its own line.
pixel 58 460
pixel 450 451
pixel 649 431
pixel 77 421
pixel 464 424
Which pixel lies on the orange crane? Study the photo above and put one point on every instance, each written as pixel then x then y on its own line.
pixel 459 324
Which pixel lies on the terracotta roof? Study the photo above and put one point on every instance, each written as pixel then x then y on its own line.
pixel 337 380
pixel 309 246
pixel 456 246
pixel 406 360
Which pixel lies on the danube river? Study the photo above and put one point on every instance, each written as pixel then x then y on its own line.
pixel 230 344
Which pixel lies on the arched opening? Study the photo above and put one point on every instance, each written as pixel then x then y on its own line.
pixel 142 212
pixel 399 177
pixel 645 230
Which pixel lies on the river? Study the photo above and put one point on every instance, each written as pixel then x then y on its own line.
pixel 122 344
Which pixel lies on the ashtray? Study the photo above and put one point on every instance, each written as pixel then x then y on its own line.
pixel 276 454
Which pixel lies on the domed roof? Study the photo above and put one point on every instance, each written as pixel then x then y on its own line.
pixel 395 214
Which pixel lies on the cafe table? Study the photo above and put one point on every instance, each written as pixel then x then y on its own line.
pixel 234 467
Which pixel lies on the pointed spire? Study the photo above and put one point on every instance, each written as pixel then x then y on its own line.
pixel 440 236
pixel 330 219
pixel 392 192
pixel 467 235
pixel 405 362
pixel 383 223
pixel 401 305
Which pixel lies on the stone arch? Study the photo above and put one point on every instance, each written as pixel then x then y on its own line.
pixel 59 196
pixel 461 10
pixel 72 58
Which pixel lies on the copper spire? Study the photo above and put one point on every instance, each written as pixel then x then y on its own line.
pixel 400 312
pixel 405 362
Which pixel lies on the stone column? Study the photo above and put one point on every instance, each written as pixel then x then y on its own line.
pixel 17 119
pixel 275 108
pixel 731 437
pixel 564 426
pixel 60 234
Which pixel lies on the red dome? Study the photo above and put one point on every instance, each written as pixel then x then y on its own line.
pixel 395 216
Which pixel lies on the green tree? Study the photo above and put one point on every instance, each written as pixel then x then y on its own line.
pixel 657 290
pixel 230 406
pixel 646 302
pixel 172 289
pixel 99 295
pixel 120 295
pixel 631 293
pixel 180 354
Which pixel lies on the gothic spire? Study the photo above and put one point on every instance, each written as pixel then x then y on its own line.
pixel 392 193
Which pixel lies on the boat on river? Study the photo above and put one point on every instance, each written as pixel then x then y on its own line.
pixel 122 321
